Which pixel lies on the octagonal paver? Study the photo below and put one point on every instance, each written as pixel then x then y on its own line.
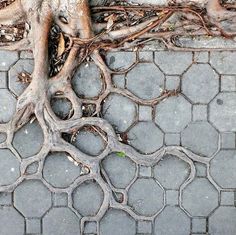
pixel 11 222
pixel 88 198
pixel 119 111
pixel 61 107
pixel 7 58
pixel 201 138
pixel 9 167
pixel 32 198
pixel 121 170
pixel 146 137
pixel 87 81
pixel 200 83
pixel 222 112
pixel 144 84
pixel 61 221
pixel 142 202
pixel 173 63
pixel 117 222
pixel 200 197
pixel 15 85
pixel 59 171
pixel 173 114
pixel 25 142
pixel 172 221
pixel 171 172
pixel 7 105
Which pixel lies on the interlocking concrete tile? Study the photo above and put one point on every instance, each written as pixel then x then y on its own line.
pixel 199 112
pixel 59 171
pixel 117 222
pixel 60 199
pixel 119 111
pixel 172 139
pixel 118 80
pixel 32 198
pixel 88 198
pixel 87 81
pixel 144 203
pixel 228 83
pixel 61 221
pixel 222 168
pixel 228 140
pixel 172 197
pixel 201 57
pixel 121 170
pixel 173 114
pixel 200 83
pixel 200 197
pixel 7 58
pixel 172 221
pixel 3 137
pixel 5 199
pixel 32 168
pixel 145 171
pixel 172 82
pixel 199 225
pixel 196 138
pixel 15 85
pixel 141 82
pixel 25 142
pixel 173 63
pixel 3 80
pixel 171 172
pixel 11 222
pixel 146 137
pixel 201 170
pixel 61 107
pixel 222 221
pixel 227 198
pixel 90 227
pixel 9 167
pixel 26 55
pixel 146 56
pixel 33 226
pixel 7 106
pixel 145 113
pixel 144 227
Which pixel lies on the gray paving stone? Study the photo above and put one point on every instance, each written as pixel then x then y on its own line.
pixel 87 81
pixel 201 170
pixel 199 112
pixel 24 140
pixel 144 84
pixel 5 199
pixel 32 168
pixel 61 107
pixel 117 222
pixel 172 197
pixel 196 138
pixel 9 167
pixel 228 83
pixel 7 58
pixel 172 139
pixel 146 56
pixel 87 198
pixel 60 199
pixel 200 83
pixel 118 80
pixel 121 171
pixel 32 198
pixel 22 65
pixel 61 221
pixel 173 114
pixel 26 55
pixel 222 168
pixel 223 221
pixel 3 137
pixel 11 222
pixel 146 137
pixel 145 113
pixel 59 171
pixel 7 105
pixel 3 80
pixel 173 63
pixel 119 111
pixel 172 82
pixel 171 172
pixel 145 171
pixel 201 57
pixel 33 226
pixel 90 227
pixel 228 140
pixel 144 227
pixel 227 198
pixel 172 221
pixel 199 225
pixel 200 197
pixel 142 202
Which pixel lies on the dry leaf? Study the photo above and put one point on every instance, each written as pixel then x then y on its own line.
pixel 61 45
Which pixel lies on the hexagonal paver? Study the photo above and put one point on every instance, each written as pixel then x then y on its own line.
pixel 25 142
pixel 117 222
pixel 15 85
pixel 62 107
pixel 201 138
pixel 144 84
pixel 173 114
pixel 171 172
pixel 88 198
pixel 32 198
pixel 200 83
pixel 119 111
pixel 222 221
pixel 87 81
pixel 172 221
pixel 142 202
pixel 222 168
pixel 121 170
pixel 200 197
pixel 11 222
pixel 59 171
pixel 222 112
pixel 7 58
pixel 61 221
pixel 173 63
pixel 7 105
pixel 9 167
